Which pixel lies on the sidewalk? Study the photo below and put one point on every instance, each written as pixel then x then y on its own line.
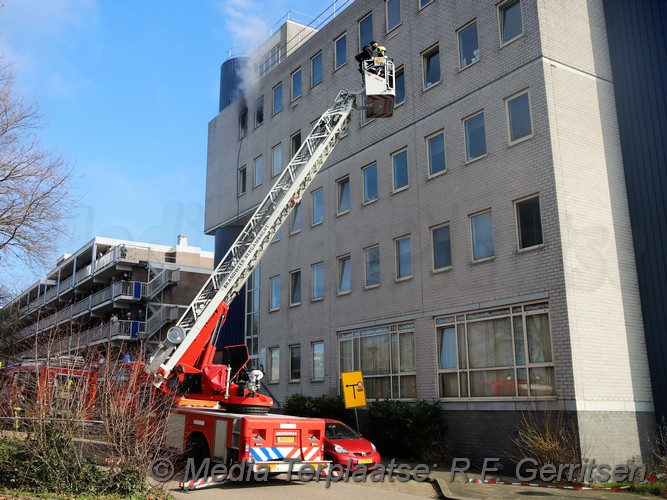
pixel 459 489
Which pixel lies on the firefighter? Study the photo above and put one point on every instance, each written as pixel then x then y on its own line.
pixel 242 380
pixel 19 405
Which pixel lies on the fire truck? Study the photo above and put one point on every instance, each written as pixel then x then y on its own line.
pixel 214 416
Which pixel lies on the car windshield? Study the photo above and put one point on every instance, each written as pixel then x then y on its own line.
pixel 341 431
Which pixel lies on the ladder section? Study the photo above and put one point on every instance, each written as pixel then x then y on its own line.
pixel 235 267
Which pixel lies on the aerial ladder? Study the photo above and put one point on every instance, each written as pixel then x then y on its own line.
pixel 183 363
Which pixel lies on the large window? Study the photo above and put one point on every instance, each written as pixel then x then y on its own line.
pixel 318 360
pixel 316 69
pixel 518 116
pixel 318 206
pixel 365 31
pixel 403 257
pixel 318 281
pixel 296 84
pixel 277 160
pixel 295 287
pixel 295 220
pixel 259 171
pixel 294 363
pixel 275 292
pixel 252 313
pixel 259 111
pixel 442 247
pixel 274 364
pixel 431 66
pixel 529 222
pixel 393 11
pixel 277 98
pixel 498 353
pixel 372 266
pixel 475 136
pixel 386 356
pixel 481 228
pixel 344 274
pixel 343 189
pixel 436 153
pixel 400 168
pixel 468 45
pixel 511 25
pixel 370 175
pixel 340 51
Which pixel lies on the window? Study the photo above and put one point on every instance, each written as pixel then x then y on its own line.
pixel 295 220
pixel 275 293
pixel 365 31
pixel 496 353
pixel 252 313
pixel 259 112
pixel 343 187
pixel 294 363
pixel 399 87
pixel 259 171
pixel 518 117
pixel 318 206
pixel 370 176
pixel 372 266
pixel 393 10
pixel 442 247
pixel 318 281
pixel 386 356
pixel 316 69
pixel 271 59
pixel 277 98
pixel 296 84
pixel 274 364
pixel 295 287
pixel 344 274
pixel 529 222
pixel 295 144
pixel 278 234
pixel 424 3
pixel 277 160
pixel 403 257
pixel 431 64
pixel 400 164
pixel 511 25
pixel 436 154
pixel 242 180
pixel 481 226
pixel 318 360
pixel 340 51
pixel 243 123
pixel 468 45
pixel 475 136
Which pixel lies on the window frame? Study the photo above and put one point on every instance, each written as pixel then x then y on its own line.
pixel 397 258
pixel 360 37
pixel 472 237
pixel 429 169
pixel 319 56
pixel 424 3
pixel 336 53
pixel 433 229
pixel 364 169
pixel 379 265
pixel 514 96
pixel 256 170
pixel 314 193
pixel 293 74
pixel 293 148
pixel 458 41
pixel 340 266
pixel 501 27
pixel 274 293
pixel 314 361
pixel 386 16
pixel 313 267
pixel 259 108
pixel 518 202
pixel 295 281
pixel 468 159
pixel 277 90
pixel 243 123
pixel 340 192
pixel 296 219
pixel 292 348
pixel 393 155
pixel 277 148
pixel 427 54
pixel 274 365
pixel 400 71
pixel 242 185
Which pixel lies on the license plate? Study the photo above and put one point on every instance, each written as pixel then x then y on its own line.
pixel 285 439
pixel 365 461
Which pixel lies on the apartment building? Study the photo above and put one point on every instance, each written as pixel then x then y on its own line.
pixel 109 292
pixel 475 249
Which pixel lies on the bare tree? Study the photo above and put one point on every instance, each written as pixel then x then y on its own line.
pixel 34 182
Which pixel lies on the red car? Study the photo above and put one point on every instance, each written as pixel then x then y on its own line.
pixel 342 443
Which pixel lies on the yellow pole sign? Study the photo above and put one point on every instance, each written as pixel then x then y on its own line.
pixel 353 389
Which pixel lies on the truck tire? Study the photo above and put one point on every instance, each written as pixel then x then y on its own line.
pixel 197 450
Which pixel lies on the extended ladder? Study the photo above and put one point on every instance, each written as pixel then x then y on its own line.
pixel 240 260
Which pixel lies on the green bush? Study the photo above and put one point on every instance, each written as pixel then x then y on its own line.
pixel 320 407
pixel 411 431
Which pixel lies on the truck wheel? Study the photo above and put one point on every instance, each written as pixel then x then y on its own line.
pixel 197 451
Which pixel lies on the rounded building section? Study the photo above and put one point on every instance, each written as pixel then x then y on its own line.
pixel 231 79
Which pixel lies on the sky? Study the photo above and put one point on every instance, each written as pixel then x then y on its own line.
pixel 126 89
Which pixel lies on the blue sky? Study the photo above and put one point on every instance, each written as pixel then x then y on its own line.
pixel 126 89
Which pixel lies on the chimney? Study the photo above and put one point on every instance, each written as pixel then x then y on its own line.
pixel 182 240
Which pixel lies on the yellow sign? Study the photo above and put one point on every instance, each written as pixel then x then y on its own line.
pixel 353 389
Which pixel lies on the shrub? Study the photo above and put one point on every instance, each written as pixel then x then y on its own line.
pixel 319 407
